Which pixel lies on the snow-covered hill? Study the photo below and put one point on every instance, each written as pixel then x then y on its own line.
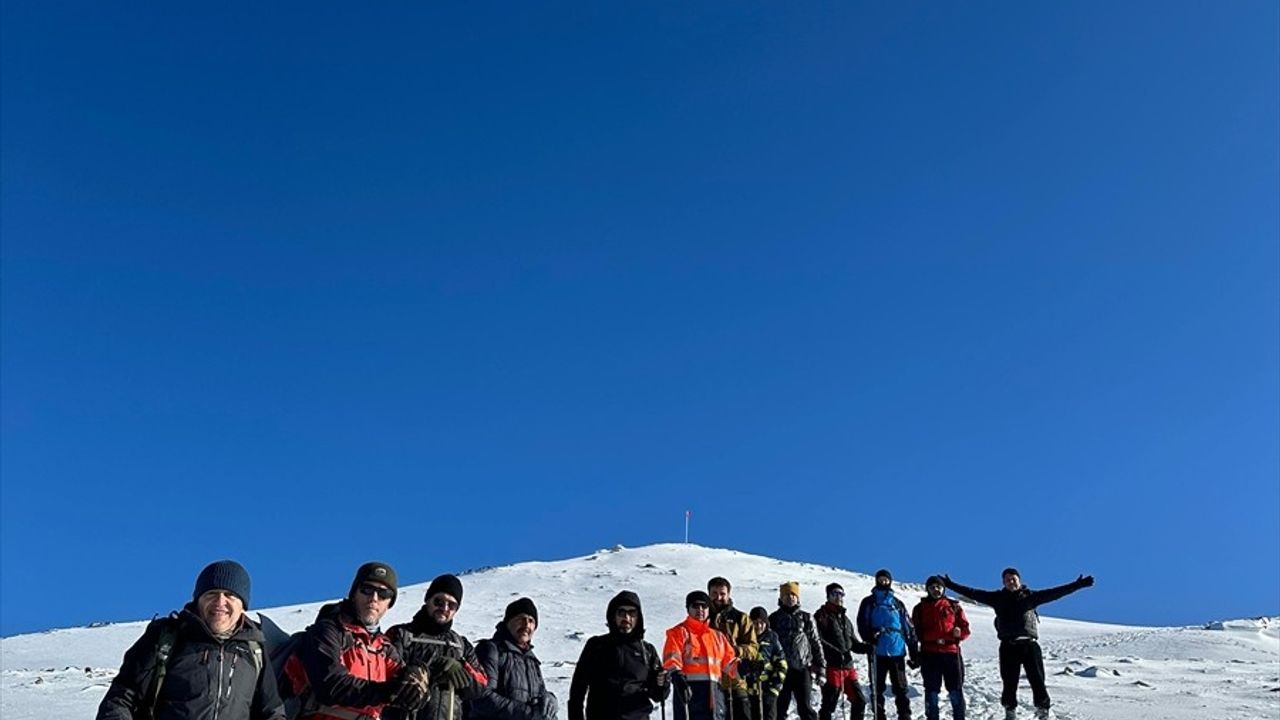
pixel 1227 670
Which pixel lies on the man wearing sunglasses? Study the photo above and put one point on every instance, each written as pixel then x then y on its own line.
pixel 618 674
pixel 430 641
pixel 699 658
pixel 344 666
pixel 840 645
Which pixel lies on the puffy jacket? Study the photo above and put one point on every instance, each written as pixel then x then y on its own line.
pixel 422 642
pixel 205 677
pixel 883 622
pixel 772 664
pixel 935 621
pixel 340 668
pixel 1016 616
pixel 799 638
pixel 741 633
pixel 835 630
pixel 701 658
pixel 616 673
pixel 515 690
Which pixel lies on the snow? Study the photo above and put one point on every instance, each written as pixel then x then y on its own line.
pixel 1224 669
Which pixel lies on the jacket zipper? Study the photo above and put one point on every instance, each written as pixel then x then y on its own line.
pixel 217 703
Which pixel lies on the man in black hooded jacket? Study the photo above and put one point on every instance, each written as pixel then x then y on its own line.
pixel 619 674
pixel 431 642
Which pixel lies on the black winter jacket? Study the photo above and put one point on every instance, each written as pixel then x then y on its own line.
pixel 422 641
pixel 799 638
pixel 1016 616
pixel 839 642
pixel 616 674
pixel 515 690
pixel 205 677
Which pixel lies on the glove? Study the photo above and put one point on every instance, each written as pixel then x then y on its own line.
pixel 946 579
pixel 683 692
pixel 661 678
pixel 412 688
pixel 1085 581
pixel 549 706
pixel 846 659
pixel 913 663
pixel 449 672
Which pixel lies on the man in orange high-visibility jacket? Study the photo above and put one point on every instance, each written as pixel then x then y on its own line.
pixel 700 659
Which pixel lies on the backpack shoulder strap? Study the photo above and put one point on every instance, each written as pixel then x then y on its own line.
pixel 166 639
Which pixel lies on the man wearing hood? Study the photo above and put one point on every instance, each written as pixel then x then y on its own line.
pixel 344 667
pixel 170 671
pixel 618 674
pixel 883 623
pixel 430 641
pixel 1017 627
pixel 840 646
pixel 514 689
pixel 699 659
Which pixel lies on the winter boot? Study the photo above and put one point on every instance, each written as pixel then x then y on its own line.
pixel 1010 714
pixel 1044 714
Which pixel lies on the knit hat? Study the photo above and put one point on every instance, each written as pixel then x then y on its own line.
pixel 833 587
pixel 375 572
pixel 934 580
pixel 759 613
pixel 447 584
pixel 1010 571
pixel 697 596
pixel 226 575
pixel 523 606
pixel 884 573
pixel 791 586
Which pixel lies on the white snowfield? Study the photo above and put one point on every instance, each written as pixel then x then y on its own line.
pixel 1226 670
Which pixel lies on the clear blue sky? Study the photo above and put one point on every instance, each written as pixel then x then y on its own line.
pixel 932 287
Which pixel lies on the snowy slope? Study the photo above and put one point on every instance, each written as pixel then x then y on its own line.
pixel 1095 670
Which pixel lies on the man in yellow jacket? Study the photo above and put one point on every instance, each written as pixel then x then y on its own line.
pixel 700 659
pixel 736 626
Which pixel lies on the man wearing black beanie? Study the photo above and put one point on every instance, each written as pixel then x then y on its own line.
pixel 429 640
pixel 515 689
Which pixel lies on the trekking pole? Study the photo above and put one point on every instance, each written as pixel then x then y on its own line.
pixel 451 694
pixel 871 685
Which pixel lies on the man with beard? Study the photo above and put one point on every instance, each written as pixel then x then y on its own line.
pixel 344 667
pixel 799 638
pixel 515 689
pixel 742 634
pixel 430 641
pixel 618 674
pixel 941 626
pixel 167 673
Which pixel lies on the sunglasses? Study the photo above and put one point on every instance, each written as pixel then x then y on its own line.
pixel 628 611
pixel 369 590
pixel 698 606
pixel 836 593
pixel 444 604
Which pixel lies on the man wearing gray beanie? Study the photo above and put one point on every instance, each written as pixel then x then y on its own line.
pixel 169 657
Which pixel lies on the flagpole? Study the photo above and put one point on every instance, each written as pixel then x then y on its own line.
pixel 687 513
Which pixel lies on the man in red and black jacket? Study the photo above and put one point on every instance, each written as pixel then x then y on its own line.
pixel 344 667
pixel 941 626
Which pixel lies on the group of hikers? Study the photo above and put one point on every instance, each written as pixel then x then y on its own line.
pixel 211 660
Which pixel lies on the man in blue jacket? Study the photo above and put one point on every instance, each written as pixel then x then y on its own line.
pixel 884 623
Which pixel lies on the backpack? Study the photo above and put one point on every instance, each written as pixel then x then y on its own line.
pixel 166 641
pixel 886 618
pixel 280 647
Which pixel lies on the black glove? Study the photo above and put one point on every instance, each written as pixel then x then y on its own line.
pixel 661 678
pixel 412 688
pixel 846 659
pixel 946 580
pixel 1085 581
pixel 860 648
pixel 683 692
pixel 449 672
pixel 913 663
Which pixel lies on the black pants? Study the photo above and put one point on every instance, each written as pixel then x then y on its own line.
pixel 1016 655
pixel 895 669
pixel 798 684
pixel 763 705
pixel 939 668
pixel 842 680
pixel 739 704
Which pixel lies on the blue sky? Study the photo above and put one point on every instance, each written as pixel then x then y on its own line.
pixel 937 288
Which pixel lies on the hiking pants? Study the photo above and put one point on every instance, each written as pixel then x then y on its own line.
pixel 935 669
pixel 842 680
pixel 895 668
pixel 1015 656
pixel 763 704
pixel 799 684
